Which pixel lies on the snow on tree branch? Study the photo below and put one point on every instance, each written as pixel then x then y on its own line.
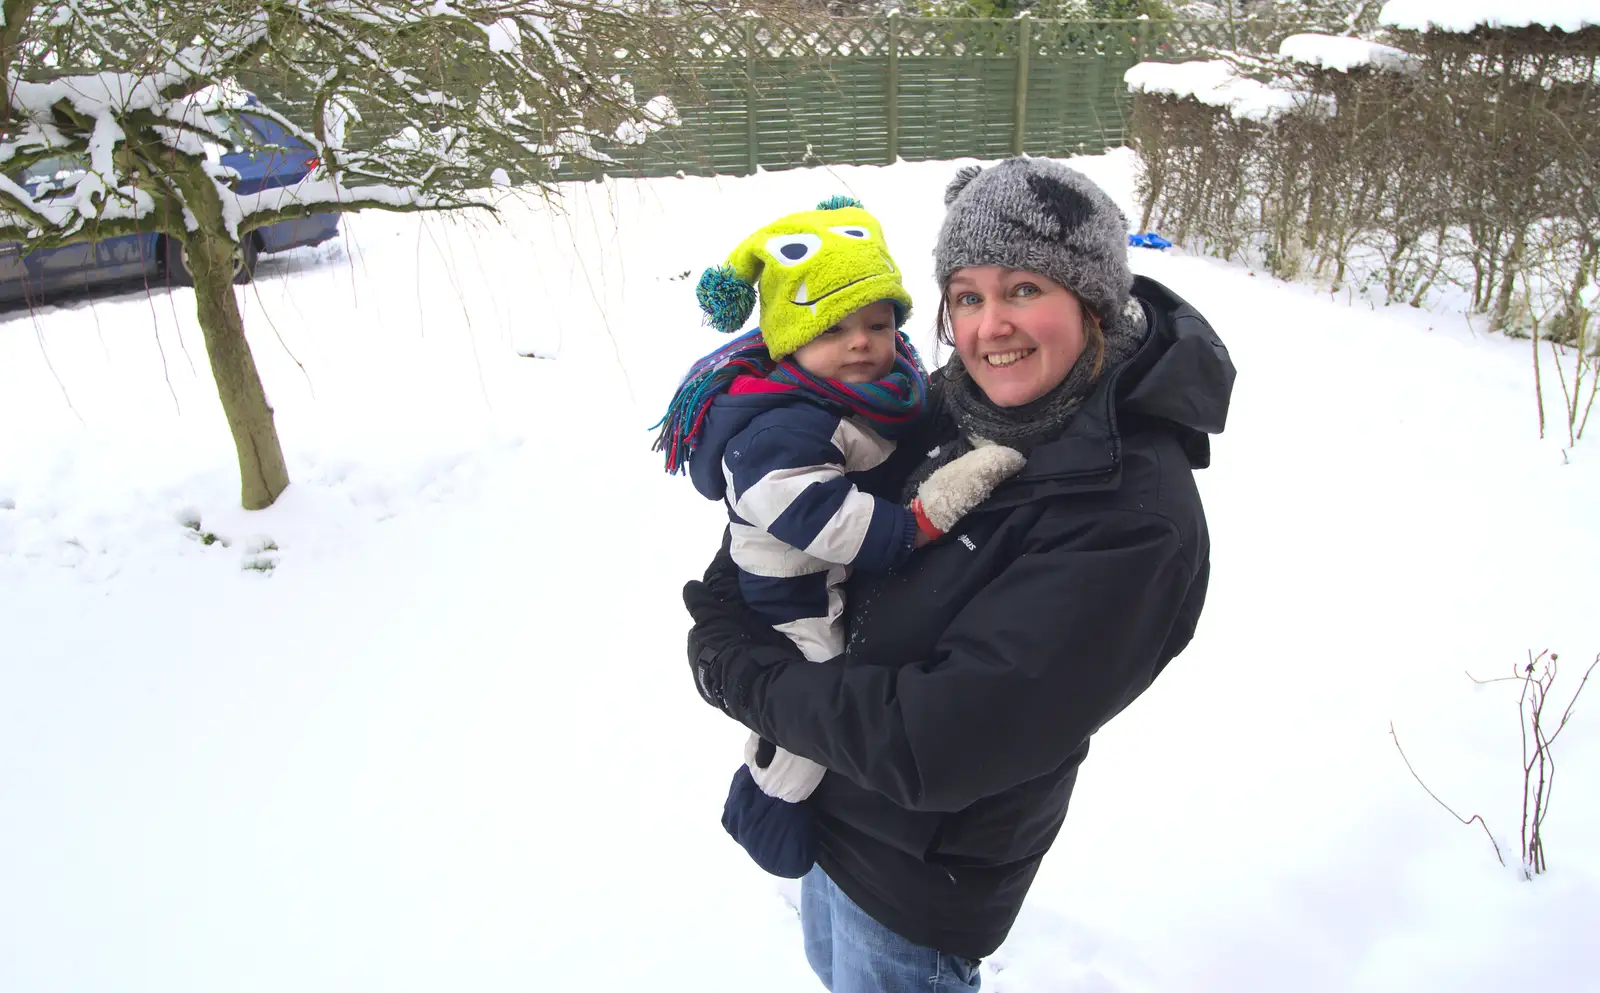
pixel 405 104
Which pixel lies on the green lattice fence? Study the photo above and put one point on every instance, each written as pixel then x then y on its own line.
pixel 867 90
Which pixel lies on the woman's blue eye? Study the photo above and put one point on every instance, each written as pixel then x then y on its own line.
pixel 1025 290
pixel 967 299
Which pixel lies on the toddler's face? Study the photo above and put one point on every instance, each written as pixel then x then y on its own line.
pixel 859 349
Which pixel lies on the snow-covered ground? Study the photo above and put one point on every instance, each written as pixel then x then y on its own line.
pixel 426 723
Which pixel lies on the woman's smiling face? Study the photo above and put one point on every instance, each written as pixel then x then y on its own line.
pixel 1018 333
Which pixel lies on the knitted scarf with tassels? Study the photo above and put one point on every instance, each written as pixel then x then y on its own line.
pixel 889 402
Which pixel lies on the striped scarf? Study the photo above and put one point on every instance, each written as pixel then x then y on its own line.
pixel 891 401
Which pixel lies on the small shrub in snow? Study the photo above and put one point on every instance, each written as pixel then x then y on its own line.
pixel 1535 679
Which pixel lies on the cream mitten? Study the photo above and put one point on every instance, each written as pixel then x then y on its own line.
pixel 952 491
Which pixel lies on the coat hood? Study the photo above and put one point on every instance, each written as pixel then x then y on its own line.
pixel 1182 375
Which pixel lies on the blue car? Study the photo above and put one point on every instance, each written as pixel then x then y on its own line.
pixel 155 257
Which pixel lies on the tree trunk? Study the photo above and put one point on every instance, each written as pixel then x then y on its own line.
pixel 1152 195
pixel 262 473
pixel 1508 281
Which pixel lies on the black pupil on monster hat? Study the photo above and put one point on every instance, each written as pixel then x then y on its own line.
pixel 794 250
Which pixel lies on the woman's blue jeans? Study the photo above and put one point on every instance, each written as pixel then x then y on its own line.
pixel 852 953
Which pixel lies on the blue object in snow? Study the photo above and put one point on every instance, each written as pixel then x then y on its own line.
pixel 1148 240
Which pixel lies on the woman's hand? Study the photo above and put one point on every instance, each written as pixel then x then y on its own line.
pixel 730 647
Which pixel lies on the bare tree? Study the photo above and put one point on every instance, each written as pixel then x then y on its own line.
pixel 407 105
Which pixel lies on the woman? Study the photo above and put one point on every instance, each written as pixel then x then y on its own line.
pixel 975 675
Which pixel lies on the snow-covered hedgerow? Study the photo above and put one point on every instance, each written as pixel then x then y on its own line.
pixel 1472 158
pixel 1461 161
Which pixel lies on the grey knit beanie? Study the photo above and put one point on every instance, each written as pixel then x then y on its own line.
pixel 1038 215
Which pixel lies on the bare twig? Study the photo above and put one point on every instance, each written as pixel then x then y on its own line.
pixel 1566 715
pixel 1464 820
pixel 44 352
pixel 1538 380
pixel 1594 381
pixel 1569 405
pixel 265 315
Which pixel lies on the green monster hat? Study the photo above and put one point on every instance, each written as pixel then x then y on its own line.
pixel 813 269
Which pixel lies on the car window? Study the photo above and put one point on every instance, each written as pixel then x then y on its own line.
pixel 251 131
pixel 272 133
pixel 233 135
pixel 262 128
pixel 54 170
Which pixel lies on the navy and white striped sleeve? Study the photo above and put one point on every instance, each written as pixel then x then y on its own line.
pixel 788 478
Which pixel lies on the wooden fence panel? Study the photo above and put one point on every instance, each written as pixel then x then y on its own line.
pixel 954 107
pixel 809 114
pixel 866 90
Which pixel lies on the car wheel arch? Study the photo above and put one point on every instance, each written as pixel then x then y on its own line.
pixel 176 273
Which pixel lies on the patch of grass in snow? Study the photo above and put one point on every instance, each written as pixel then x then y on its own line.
pixel 259 563
pixel 189 518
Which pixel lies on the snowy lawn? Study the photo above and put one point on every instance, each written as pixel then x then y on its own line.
pixel 426 724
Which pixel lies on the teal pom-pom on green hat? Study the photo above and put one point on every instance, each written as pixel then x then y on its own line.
pixel 839 202
pixel 726 299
